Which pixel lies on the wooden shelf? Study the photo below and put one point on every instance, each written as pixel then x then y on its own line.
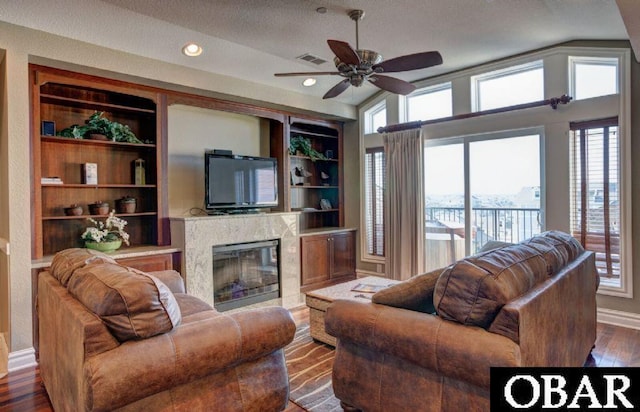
pixel 316 134
pixel 68 98
pixel 317 210
pixel 90 142
pixel 122 215
pixel 98 186
pixel 308 158
pixel 324 136
pixel 69 101
pixel 313 187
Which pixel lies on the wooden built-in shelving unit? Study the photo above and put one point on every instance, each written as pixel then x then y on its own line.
pixel 68 98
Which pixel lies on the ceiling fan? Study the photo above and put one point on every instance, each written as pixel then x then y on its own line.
pixel 358 65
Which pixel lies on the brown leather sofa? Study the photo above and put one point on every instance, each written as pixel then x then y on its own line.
pixel 427 344
pixel 113 338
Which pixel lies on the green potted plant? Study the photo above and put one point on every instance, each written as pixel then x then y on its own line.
pixel 97 125
pixel 106 236
pixel 300 144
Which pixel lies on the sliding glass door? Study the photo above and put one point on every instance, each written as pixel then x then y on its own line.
pixel 480 189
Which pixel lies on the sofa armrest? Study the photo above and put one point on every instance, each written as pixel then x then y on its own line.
pixel 171 278
pixel 460 352
pixel 413 294
pixel 191 351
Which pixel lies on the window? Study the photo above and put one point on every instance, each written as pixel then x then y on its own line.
pixel 508 87
pixel 596 220
pixel 500 202
pixel 593 76
pixel 430 103
pixel 375 117
pixel 374 200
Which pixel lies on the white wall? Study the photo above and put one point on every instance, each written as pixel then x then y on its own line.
pixel 193 130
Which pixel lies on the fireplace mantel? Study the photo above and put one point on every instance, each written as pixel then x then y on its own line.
pixel 196 235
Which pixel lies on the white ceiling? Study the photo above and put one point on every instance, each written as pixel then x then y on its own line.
pixel 252 39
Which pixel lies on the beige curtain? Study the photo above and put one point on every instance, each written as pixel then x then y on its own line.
pixel 404 204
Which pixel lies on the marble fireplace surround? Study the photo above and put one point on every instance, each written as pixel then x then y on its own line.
pixel 196 236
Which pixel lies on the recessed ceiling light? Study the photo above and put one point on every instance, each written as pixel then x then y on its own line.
pixel 191 50
pixel 309 82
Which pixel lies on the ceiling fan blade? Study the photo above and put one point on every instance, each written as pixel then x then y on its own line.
pixel 304 74
pixel 409 62
pixel 392 84
pixel 337 89
pixel 344 52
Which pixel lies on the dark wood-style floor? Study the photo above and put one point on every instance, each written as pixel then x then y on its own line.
pixel 23 391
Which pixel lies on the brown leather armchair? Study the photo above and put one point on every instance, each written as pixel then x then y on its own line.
pixel 113 338
pixel 427 344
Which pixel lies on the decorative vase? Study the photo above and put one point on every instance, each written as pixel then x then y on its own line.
pixel 126 205
pixel 99 208
pixel 73 210
pixel 104 246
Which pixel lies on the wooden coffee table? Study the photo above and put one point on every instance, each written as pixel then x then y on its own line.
pixel 319 299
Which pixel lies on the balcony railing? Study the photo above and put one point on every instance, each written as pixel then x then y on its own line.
pixel 517 224
pixel 489 223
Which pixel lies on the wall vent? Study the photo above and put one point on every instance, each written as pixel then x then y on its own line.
pixel 311 59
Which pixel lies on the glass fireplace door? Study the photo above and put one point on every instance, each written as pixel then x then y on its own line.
pixel 245 273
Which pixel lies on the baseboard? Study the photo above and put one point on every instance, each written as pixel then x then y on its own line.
pixel 364 273
pixel 619 318
pixel 22 359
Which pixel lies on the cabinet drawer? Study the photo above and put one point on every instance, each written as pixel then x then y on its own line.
pixel 149 263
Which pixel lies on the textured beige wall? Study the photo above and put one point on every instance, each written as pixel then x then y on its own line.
pixel 19 199
pixel 611 302
pixel 4 198
pixel 193 130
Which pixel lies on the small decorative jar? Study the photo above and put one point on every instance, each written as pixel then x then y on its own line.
pixel 73 210
pixel 99 208
pixel 126 204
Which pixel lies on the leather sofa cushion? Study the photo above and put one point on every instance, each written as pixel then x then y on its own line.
pixel 415 293
pixel 473 290
pixel 64 263
pixel 133 304
pixel 557 248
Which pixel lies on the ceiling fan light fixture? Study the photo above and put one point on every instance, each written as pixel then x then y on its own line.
pixel 191 50
pixel 358 66
pixel 308 82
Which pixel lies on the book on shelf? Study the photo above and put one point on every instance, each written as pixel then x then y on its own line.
pixel 52 180
pixel 368 288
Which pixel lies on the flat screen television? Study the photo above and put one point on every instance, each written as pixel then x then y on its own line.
pixel 239 182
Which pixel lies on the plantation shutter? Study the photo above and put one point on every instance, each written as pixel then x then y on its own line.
pixel 374 189
pixel 595 196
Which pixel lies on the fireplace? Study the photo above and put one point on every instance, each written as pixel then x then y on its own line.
pixel 245 273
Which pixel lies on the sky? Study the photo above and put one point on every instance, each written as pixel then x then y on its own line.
pixel 497 167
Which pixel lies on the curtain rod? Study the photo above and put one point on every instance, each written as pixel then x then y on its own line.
pixel 553 102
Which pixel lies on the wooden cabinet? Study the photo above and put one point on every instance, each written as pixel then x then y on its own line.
pixel 65 99
pixel 327 258
pixel 151 263
pixel 315 186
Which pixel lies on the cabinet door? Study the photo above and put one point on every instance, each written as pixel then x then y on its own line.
pixel 343 254
pixel 314 259
pixel 149 263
